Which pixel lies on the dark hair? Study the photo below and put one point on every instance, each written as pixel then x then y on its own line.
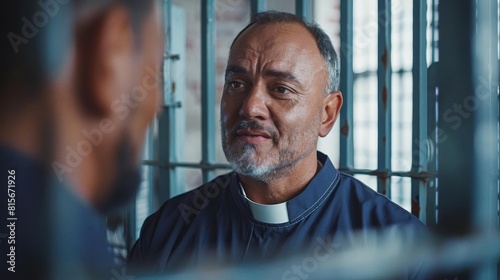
pixel 36 35
pixel 323 42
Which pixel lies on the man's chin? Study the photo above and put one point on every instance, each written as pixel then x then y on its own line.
pixel 244 159
pixel 252 169
pixel 127 180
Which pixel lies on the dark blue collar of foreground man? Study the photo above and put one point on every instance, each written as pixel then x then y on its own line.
pixel 299 207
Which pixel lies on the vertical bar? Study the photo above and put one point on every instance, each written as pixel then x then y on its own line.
pixel 208 86
pixel 167 9
pixel 130 225
pixel 178 75
pixel 419 72
pixel 257 6
pixel 432 126
pixel 384 73
pixel 433 131
pixel 433 32
pixel 498 117
pixel 346 84
pixel 485 78
pixel 166 122
pixel 152 170
pixel 456 151
pixel 486 84
pixel 303 8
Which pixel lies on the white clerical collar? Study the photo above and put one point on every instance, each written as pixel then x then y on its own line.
pixel 267 213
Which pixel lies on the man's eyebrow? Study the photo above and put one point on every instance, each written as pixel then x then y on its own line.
pixel 282 75
pixel 232 69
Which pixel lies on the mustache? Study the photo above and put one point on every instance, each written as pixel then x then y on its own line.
pixel 254 125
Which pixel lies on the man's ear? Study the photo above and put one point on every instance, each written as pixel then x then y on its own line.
pixel 105 47
pixel 331 109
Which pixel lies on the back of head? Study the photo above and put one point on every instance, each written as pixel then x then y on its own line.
pixel 40 39
pixel 37 36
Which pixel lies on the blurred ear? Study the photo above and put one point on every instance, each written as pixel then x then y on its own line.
pixel 331 109
pixel 105 46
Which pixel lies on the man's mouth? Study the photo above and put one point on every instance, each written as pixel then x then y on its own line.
pixel 253 136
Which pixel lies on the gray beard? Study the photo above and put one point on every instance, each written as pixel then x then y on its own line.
pixel 243 164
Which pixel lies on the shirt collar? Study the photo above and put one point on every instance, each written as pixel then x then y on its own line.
pixel 298 207
pixel 267 213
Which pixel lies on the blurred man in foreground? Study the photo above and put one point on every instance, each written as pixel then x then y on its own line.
pixel 79 85
pixel 281 94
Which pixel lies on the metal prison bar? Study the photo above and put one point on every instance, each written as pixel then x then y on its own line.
pixel 418 173
pixel 468 155
pixel 378 258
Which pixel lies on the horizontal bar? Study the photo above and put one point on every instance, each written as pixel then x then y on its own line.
pixel 370 73
pixel 389 173
pixel 438 256
pixel 204 166
pixel 351 171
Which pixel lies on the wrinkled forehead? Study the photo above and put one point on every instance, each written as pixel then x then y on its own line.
pixel 269 36
pixel 277 43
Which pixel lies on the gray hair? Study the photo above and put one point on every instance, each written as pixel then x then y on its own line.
pixel 323 42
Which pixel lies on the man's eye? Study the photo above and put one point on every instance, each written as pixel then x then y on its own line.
pixel 282 90
pixel 235 84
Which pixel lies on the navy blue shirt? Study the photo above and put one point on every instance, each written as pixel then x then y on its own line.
pixel 214 224
pixel 56 234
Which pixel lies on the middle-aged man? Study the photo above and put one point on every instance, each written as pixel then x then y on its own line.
pixel 78 89
pixel 280 95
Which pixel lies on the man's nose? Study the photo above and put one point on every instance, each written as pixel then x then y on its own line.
pixel 255 105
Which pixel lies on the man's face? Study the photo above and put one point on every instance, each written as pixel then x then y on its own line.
pixel 150 54
pixel 272 101
pixel 145 100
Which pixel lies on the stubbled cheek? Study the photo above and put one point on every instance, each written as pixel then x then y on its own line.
pixel 222 105
pixel 223 120
pixel 223 112
pixel 230 107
